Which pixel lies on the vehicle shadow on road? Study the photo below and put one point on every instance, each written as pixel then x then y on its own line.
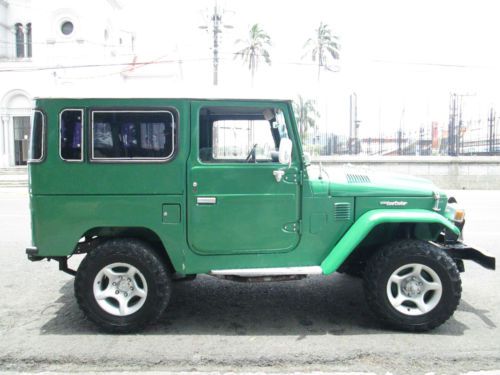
pixel 207 306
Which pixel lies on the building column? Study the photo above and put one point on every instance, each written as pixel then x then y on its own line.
pixel 4 123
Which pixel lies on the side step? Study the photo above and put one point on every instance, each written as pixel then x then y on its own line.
pixel 267 274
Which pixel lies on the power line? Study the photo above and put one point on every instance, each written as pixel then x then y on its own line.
pixel 131 64
pixel 77 41
pixel 438 65
pixel 228 57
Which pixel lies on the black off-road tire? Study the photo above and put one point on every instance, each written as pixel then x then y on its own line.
pixel 355 270
pixel 139 255
pixel 390 258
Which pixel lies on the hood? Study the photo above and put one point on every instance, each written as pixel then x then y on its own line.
pixel 362 182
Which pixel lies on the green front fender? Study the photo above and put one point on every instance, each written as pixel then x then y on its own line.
pixel 363 226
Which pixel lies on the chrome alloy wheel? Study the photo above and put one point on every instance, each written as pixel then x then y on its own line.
pixel 414 289
pixel 120 289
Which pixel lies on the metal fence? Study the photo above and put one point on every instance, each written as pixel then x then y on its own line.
pixel 469 138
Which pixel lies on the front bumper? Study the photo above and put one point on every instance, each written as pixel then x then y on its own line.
pixel 459 250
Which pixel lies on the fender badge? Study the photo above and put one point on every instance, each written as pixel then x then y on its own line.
pixel 393 203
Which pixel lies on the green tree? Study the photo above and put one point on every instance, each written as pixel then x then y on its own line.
pixel 254 49
pixel 305 114
pixel 324 46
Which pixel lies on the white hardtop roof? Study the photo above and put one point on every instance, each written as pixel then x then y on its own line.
pixel 124 92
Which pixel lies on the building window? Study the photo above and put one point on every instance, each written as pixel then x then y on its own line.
pixel 29 48
pixel 132 135
pixel 67 27
pixel 23 40
pixel 71 127
pixel 19 40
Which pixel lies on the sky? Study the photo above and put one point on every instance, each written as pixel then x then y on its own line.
pixel 401 58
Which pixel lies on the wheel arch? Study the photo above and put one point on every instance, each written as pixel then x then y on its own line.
pixel 382 226
pixel 94 236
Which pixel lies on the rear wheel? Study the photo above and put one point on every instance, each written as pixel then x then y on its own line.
pixel 122 285
pixel 412 285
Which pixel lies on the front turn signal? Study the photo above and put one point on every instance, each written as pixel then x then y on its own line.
pixel 459 215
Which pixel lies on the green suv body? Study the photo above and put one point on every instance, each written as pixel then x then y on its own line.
pixel 154 190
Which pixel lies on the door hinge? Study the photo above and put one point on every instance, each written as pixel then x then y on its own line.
pixel 293 227
pixel 293 178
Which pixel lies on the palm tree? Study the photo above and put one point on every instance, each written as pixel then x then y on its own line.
pixel 255 49
pixel 305 114
pixel 322 47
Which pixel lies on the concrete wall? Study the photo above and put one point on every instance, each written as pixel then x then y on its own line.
pixel 471 172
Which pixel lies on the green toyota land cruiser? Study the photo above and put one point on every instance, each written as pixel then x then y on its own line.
pixel 155 190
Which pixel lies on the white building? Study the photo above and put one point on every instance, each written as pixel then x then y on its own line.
pixel 46 45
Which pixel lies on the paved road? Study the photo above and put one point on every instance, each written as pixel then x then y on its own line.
pixel 317 324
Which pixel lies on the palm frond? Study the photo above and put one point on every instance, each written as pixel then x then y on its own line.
pixel 255 50
pixel 324 46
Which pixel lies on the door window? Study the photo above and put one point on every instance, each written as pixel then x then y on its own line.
pixel 241 134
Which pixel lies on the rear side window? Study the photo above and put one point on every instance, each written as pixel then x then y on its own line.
pixel 37 141
pixel 71 129
pixel 133 135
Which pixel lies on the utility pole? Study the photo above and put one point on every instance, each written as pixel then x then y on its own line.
pixel 354 124
pixel 452 125
pixel 216 25
pixel 400 131
pixel 491 131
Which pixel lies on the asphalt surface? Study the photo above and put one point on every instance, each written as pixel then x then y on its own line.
pixel 316 324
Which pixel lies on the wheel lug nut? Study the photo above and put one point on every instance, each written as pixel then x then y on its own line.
pixel 114 284
pixel 117 292
pixel 125 294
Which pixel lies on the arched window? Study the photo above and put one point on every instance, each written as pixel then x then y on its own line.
pixel 29 48
pixel 19 40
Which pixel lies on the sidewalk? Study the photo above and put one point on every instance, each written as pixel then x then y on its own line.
pixel 13 177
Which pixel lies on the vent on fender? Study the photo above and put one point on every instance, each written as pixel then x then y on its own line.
pixel 357 178
pixel 342 211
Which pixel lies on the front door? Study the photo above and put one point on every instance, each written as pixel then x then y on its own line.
pixel 21 139
pixel 235 203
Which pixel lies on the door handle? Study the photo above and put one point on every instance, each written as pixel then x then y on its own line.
pixel 278 175
pixel 206 200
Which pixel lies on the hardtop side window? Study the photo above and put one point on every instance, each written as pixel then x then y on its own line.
pixel 71 129
pixel 37 142
pixel 241 134
pixel 133 135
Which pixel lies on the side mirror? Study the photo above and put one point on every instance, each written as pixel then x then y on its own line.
pixel 285 156
pixel 307 159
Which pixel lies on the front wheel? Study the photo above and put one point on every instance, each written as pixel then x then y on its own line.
pixel 412 285
pixel 122 285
